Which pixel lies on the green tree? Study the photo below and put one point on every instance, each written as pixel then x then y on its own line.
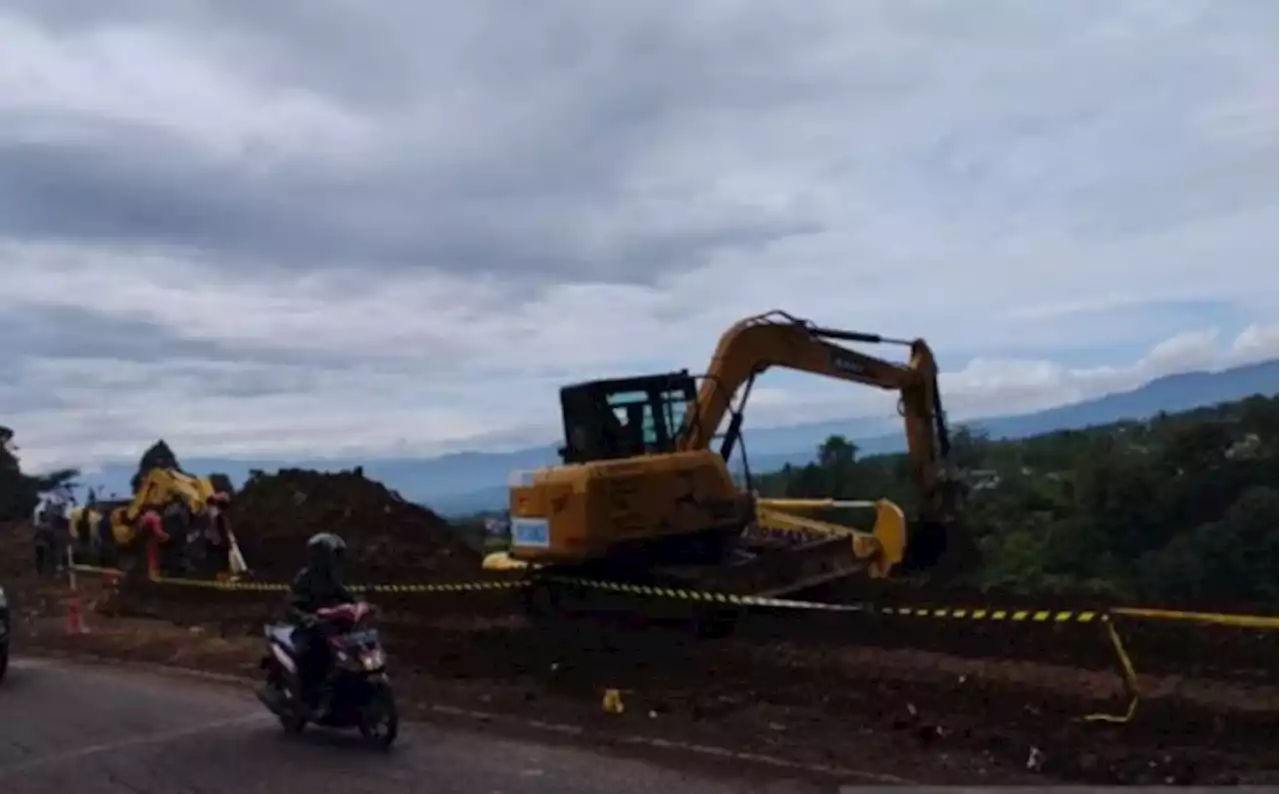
pixel 20 492
pixel 837 453
pixel 222 482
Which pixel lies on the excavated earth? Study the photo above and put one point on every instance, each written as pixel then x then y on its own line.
pixel 931 701
pixel 388 538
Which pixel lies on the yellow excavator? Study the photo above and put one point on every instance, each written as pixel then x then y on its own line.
pixel 183 501
pixel 642 497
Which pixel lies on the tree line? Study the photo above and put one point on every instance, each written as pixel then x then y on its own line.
pixel 1180 508
pixel 20 492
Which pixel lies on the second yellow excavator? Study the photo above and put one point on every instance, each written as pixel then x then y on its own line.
pixel 186 503
pixel 642 496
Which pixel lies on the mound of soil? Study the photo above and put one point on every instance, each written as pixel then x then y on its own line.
pixel 17 554
pixel 388 539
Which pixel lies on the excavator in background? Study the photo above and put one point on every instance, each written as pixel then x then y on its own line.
pixel 643 498
pixel 113 533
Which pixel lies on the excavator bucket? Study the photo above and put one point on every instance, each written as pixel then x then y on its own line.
pixel 944 551
pixel 882 548
pixel 894 546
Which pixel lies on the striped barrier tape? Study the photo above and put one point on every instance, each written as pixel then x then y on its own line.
pixel 211 584
pixel 280 587
pixel 1037 616
pixel 97 569
pixel 452 587
pixel 1001 615
pixel 1262 622
pixel 681 594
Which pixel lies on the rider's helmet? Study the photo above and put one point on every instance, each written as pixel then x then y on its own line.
pixel 325 551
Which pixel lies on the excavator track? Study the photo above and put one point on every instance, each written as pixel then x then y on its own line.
pixel 781 555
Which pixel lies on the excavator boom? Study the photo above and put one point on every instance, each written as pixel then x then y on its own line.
pixel 642 492
pixel 777 339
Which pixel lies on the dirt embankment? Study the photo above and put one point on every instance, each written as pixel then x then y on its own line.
pixel 388 538
pixel 17 555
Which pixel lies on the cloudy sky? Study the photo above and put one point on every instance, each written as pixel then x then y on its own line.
pixel 282 228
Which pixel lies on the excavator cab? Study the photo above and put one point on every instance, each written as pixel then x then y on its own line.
pixel 624 417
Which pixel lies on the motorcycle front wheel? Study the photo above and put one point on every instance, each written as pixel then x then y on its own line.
pixel 380 719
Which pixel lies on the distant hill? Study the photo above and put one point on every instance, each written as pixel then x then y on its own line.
pixel 468 482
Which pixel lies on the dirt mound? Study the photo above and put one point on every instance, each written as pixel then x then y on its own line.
pixel 388 538
pixel 17 554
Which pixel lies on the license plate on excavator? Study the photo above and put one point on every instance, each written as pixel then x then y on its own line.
pixel 530 532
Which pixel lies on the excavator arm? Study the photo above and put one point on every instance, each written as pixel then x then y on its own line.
pixel 777 339
pixel 641 487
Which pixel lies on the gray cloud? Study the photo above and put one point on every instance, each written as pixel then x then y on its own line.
pixel 353 209
pixel 63 332
pixel 58 333
pixel 137 185
pixel 538 185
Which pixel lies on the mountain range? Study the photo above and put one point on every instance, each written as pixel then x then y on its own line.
pixel 468 482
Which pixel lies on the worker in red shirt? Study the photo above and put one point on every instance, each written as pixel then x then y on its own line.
pixel 151 531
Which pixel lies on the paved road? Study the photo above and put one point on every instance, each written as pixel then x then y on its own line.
pixel 100 730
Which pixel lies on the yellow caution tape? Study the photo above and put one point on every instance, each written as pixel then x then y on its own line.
pixel 1042 616
pixel 453 587
pixel 1213 618
pixel 456 587
pixel 80 568
pixel 212 584
pixel 1000 615
pixel 1128 675
pixel 682 594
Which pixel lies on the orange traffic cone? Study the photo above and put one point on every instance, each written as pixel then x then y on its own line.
pixel 75 617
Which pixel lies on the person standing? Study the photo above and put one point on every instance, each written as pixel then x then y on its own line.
pixel 45 523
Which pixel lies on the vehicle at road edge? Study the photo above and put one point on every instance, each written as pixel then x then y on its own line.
pixel 360 692
pixel 4 633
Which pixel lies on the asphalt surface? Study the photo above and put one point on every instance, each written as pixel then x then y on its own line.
pixel 93 729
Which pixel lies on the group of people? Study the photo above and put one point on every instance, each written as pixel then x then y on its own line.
pixel 203 536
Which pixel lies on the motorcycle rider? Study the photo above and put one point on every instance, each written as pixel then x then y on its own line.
pixel 317 586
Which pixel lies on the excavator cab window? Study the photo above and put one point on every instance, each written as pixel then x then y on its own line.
pixel 624 417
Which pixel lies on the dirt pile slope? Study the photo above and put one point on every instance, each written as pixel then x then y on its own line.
pixel 17 554
pixel 388 538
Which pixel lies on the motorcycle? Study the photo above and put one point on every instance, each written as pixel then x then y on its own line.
pixel 4 634
pixel 359 693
